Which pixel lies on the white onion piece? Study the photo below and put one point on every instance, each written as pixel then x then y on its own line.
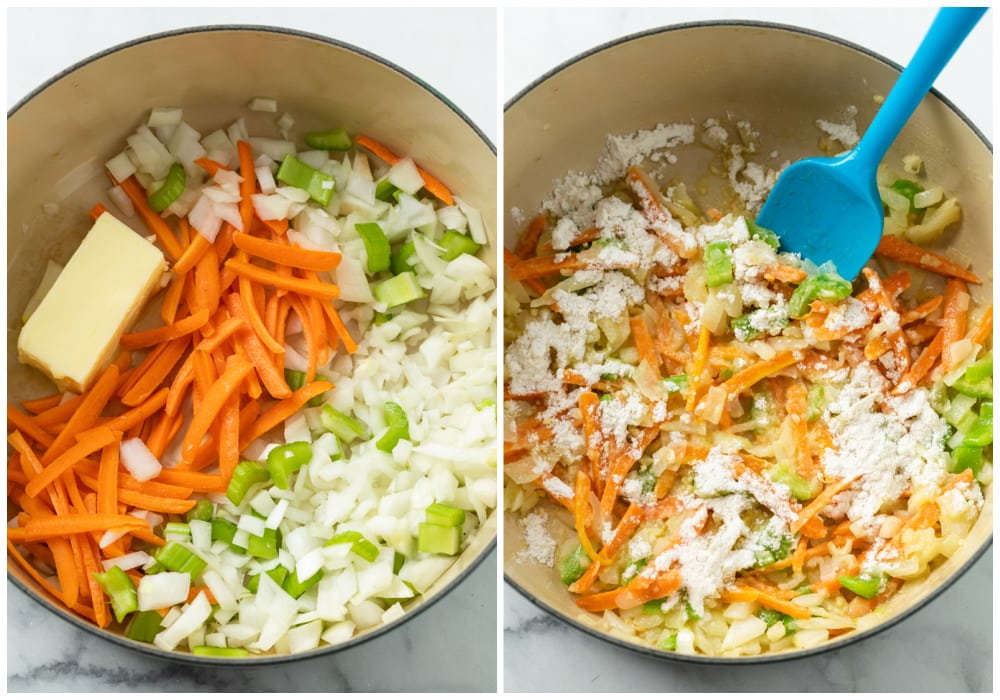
pixel 191 619
pixel 204 220
pixel 476 227
pixel 163 590
pixel 140 462
pixel 266 179
pixel 132 560
pixel 164 116
pixel 120 167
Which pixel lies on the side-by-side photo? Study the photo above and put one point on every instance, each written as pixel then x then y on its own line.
pixel 252 351
pixel 747 366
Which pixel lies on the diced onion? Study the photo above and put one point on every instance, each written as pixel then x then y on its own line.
pixel 140 462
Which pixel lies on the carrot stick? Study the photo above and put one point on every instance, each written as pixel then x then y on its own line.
pixel 212 403
pixel 983 328
pixel 310 333
pixel 744 379
pixel 644 343
pixel 292 255
pixel 318 321
pixel 784 273
pixel 209 166
pixel 157 372
pixel 247 184
pixel 70 457
pixel 107 486
pixel 137 415
pixel 157 504
pixel 797 404
pixel 203 483
pixel 28 425
pixel 625 529
pixel 192 254
pixel 43 528
pixel 270 374
pixel 581 514
pixel 155 336
pixel 91 567
pixel 86 415
pixel 433 185
pixel 292 284
pixel 528 244
pixel 904 251
pixel 771 601
pixel 44 403
pixel 922 311
pixel 919 369
pixel 330 311
pixel 172 299
pixel 253 314
pixel 284 409
pixel 168 241
pixel 651 202
pixel 698 367
pixel 207 286
pixel 229 437
pixel 953 318
pixel 821 501
pixel 224 242
pixel 511 260
pixel 277 227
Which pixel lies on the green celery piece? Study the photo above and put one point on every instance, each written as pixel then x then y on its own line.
pixel 385 191
pixel 399 261
pixel 203 510
pixel 668 642
pixel 573 565
pixel 297 379
pixel 864 585
pixel 263 546
pixel 907 188
pixel 246 474
pixel 958 409
pixel 171 189
pixel 455 244
pixel 360 545
pixel 295 173
pixel 295 588
pixel 653 607
pixel 376 246
pixel 398 427
pixel 176 557
pixel 277 575
pixel 676 383
pixel 802 489
pixel 636 566
pixel 608 377
pixel 966 457
pixel 285 460
pixel 400 289
pixel 980 389
pixel 379 318
pixel 120 589
pixel 980 369
pixel 144 626
pixel 760 233
pixel 980 435
pixel 824 286
pixel 816 402
pixel 329 140
pixel 342 425
pixel 769 616
pixel 441 514
pixel 224 531
pixel 182 529
pixel 438 539
pixel 691 614
pixel 742 328
pixel 647 477
pixel 718 264
pixel 398 559
pixel 226 652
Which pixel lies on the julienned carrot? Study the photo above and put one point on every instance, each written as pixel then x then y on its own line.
pixel 983 327
pixel 284 409
pixel 97 210
pixel 86 415
pixel 229 437
pixel 651 202
pixel 28 425
pixel 335 321
pixel 433 185
pixel 172 299
pixel 581 514
pixel 310 335
pixel 44 403
pixel 206 287
pixel 153 220
pixel 528 245
pixel 107 486
pixel 644 343
pixel 743 380
pixel 263 361
pixel 156 373
pixel 904 251
pixel 623 531
pixel 287 254
pixel 797 405
pixel 155 336
pixel 253 315
pixel 156 504
pixel 768 600
pixel 698 366
pixel 204 483
pixel 41 528
pixel 821 501
pixel 953 318
pixel 292 284
pixel 784 273
pixel 622 462
pixel 212 403
pixel 247 184
pixel 67 459
pixel 209 166
pixel 319 324
pixel 135 416
pixel 920 311
pixel 277 227
pixel 192 254
pixel 511 260
pixel 919 369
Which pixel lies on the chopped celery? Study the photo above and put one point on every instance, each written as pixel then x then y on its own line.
pixel 455 244
pixel 691 614
pixel 295 173
pixel 399 261
pixel 285 460
pixel 980 369
pixel 343 426
pixel 171 189
pixel 824 286
pixel 980 433
pixel 668 642
pixel 817 402
pixel 176 557
pixel 958 408
pixel 296 380
pixel 376 246
pixel 718 264
pixel 439 539
pixel 573 565
pixel 263 546
pixel 295 588
pixel 907 188
pixel 120 589
pixel 864 585
pixel 966 457
pixel 329 140
pixel 227 652
pixel 401 289
pixel 398 559
pixel 398 427
pixel 203 510
pixel 801 489
pixel 632 570
pixel 360 545
pixel 246 474
pixel 676 383
pixel 277 574
pixel 769 616
pixel 440 514
pixel 224 531
pixel 979 389
pixel 759 233
pixel 743 329
pixel 181 530
pixel 653 607
pixel 385 191
pixel 144 626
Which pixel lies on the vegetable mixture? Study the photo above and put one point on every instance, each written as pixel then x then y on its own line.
pixel 262 469
pixel 744 453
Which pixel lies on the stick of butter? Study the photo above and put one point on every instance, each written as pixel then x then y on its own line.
pixel 74 332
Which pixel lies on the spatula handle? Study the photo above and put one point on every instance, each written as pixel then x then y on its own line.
pixel 948 31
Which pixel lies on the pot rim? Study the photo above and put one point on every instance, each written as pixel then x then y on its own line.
pixel 847 639
pixel 270 659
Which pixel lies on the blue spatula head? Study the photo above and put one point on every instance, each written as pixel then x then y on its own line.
pixel 826 209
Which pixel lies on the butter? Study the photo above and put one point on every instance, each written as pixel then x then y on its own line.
pixel 74 332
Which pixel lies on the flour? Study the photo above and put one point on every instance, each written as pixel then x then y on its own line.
pixel 540 546
pixel 846 133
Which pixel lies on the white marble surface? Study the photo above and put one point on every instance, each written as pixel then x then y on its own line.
pixel 947 646
pixel 452 645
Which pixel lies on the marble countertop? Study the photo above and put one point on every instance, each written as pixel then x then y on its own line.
pixel 946 646
pixel 46 654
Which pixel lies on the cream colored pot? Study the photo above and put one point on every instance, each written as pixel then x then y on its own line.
pixel 61 135
pixel 781 80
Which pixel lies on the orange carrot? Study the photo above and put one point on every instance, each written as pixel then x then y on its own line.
pixel 744 379
pixel 784 273
pixel 953 318
pixel 155 336
pixel 292 284
pixel 206 287
pixel 107 487
pixel 137 415
pixel 292 255
pixel 247 184
pixel 97 210
pixel 263 361
pixel 821 501
pixel 209 166
pixel 253 315
pixel 28 425
pixel 153 377
pixel 157 504
pixel 919 369
pixel 528 244
pixel 67 459
pixel 983 327
pixel 192 254
pixel 904 251
pixel 644 343
pixel 433 185
pixel 213 402
pixel 511 260
pixel 42 528
pixel 581 514
pixel 651 202
pixel 922 311
pixel 42 404
pixel 153 220
pixel 284 409
pixel 229 437
pixel 87 413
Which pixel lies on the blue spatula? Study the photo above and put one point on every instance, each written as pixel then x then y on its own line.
pixel 828 209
